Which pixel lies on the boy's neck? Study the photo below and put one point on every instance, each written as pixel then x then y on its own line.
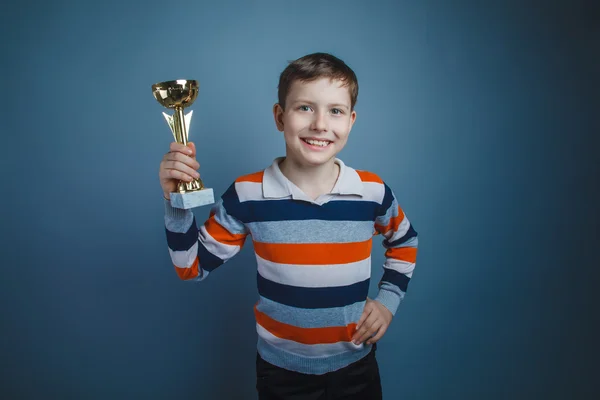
pixel 314 181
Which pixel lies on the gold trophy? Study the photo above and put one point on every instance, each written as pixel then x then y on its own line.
pixel 178 95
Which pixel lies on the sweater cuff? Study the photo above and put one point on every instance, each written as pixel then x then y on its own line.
pixel 174 213
pixel 390 300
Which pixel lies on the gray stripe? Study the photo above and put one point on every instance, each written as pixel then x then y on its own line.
pixel 311 231
pixel 390 296
pixel 391 212
pixel 311 318
pixel 176 219
pixel 228 222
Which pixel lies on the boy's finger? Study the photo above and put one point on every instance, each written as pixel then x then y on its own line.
pixel 175 174
pixel 193 147
pixel 184 159
pixel 365 328
pixel 180 148
pixel 367 335
pixel 370 332
pixel 363 317
pixel 181 167
pixel 359 329
pixel 379 335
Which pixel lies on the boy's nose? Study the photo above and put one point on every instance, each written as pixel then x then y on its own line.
pixel 319 123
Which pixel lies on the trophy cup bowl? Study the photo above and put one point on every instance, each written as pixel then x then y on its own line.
pixel 172 94
pixel 178 95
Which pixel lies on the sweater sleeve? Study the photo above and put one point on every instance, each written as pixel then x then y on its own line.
pixel 195 252
pixel 400 242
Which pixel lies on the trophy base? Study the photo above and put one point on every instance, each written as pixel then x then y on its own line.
pixel 193 199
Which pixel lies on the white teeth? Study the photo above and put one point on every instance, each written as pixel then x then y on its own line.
pixel 320 143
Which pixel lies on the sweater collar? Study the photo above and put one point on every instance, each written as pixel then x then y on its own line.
pixel 277 186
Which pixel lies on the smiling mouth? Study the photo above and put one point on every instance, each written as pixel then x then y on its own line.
pixel 317 143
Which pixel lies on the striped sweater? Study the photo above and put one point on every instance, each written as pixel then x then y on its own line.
pixel 313 259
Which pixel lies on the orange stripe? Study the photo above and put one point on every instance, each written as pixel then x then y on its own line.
pixel 305 335
pixel 255 177
pixel 366 176
pixel 188 273
pixel 408 254
pixel 393 224
pixel 314 253
pixel 222 235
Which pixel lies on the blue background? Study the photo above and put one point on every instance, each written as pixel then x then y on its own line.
pixel 482 116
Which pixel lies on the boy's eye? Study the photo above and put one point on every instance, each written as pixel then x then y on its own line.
pixel 304 108
pixel 336 111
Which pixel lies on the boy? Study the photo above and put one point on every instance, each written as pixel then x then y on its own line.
pixel 312 219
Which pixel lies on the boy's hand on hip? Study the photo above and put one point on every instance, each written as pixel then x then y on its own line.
pixel 373 323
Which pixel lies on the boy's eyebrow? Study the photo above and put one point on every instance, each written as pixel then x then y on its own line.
pixel 329 105
pixel 339 105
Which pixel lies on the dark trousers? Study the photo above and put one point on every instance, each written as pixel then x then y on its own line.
pixel 357 381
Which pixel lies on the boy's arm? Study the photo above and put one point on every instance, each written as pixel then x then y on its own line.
pixel 195 252
pixel 401 244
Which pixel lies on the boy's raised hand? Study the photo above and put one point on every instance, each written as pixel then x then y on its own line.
pixel 373 323
pixel 178 164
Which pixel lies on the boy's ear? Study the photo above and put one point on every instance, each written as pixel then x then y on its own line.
pixel 278 116
pixel 352 118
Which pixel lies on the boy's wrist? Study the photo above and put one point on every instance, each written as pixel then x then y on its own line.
pixel 390 300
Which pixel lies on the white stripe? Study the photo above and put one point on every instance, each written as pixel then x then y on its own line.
pixel 392 235
pixel 404 267
pixel 306 350
pixel 184 259
pixel 392 212
pixel 315 276
pixel 221 250
pixel 412 242
pixel 248 191
pixel 373 191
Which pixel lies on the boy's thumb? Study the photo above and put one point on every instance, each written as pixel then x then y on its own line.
pixel 193 147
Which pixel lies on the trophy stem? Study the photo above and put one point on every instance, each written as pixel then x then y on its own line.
pixel 182 136
pixel 181 131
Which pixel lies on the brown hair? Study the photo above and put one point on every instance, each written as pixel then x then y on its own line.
pixel 314 66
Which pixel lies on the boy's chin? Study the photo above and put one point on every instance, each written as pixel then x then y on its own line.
pixel 314 160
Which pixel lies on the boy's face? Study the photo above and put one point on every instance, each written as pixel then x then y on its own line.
pixel 316 122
